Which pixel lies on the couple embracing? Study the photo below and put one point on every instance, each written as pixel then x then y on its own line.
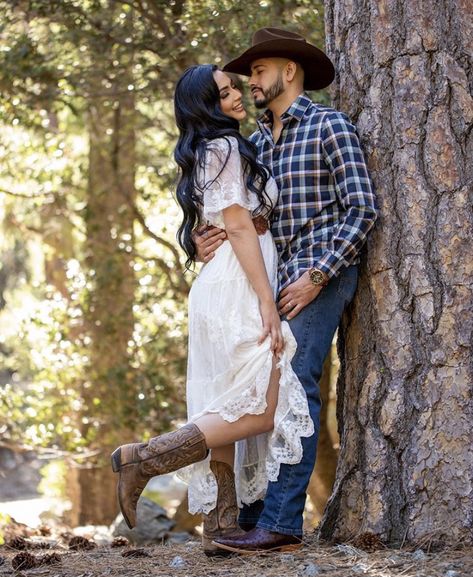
pixel 278 221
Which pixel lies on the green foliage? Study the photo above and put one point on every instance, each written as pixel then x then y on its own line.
pixel 4 522
pixel 57 59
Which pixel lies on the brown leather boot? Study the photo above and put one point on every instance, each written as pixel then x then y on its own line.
pixel 222 521
pixel 137 463
pixel 259 541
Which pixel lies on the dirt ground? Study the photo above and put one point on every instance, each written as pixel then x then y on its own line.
pixel 187 560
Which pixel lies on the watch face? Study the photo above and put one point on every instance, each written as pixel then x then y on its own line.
pixel 317 277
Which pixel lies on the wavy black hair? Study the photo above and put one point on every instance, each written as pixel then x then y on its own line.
pixel 200 120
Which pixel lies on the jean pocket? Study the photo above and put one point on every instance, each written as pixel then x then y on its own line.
pixel 347 283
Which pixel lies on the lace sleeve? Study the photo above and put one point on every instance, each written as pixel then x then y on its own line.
pixel 224 180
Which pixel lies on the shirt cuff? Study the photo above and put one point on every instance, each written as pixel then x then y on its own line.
pixel 330 264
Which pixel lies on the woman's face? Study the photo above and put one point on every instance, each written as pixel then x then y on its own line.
pixel 230 97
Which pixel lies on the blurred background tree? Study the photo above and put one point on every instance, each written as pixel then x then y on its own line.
pixel 92 285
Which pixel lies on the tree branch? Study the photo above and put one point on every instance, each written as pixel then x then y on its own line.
pixel 28 196
pixel 157 19
pixel 47 453
pixel 141 219
pixel 183 285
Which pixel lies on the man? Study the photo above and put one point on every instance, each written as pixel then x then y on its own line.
pixel 325 211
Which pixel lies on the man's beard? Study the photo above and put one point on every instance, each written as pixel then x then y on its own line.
pixel 271 93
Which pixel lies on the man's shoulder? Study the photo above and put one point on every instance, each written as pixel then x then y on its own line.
pixel 322 114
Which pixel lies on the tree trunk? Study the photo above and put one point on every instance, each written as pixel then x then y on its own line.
pixel 404 407
pixel 109 393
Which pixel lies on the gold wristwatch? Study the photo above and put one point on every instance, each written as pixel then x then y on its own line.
pixel 318 277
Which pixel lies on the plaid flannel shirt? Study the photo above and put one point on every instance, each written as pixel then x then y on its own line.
pixel 326 203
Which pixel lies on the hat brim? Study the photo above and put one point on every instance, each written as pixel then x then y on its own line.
pixel 318 69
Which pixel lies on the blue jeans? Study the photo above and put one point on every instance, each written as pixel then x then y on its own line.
pixel 313 328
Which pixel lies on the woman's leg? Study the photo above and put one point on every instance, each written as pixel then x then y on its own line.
pixel 219 433
pixel 138 462
pixel 225 454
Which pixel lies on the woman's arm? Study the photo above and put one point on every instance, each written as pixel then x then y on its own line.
pixel 242 236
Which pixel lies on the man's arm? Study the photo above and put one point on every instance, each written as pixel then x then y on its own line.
pixel 207 240
pixel 343 155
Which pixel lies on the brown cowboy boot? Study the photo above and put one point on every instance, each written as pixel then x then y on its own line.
pixel 137 463
pixel 222 521
pixel 259 540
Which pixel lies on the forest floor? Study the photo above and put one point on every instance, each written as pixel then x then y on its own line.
pixel 187 560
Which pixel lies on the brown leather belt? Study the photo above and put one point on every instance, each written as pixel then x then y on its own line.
pixel 261 224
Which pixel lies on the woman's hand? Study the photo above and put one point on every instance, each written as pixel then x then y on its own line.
pixel 207 240
pixel 271 327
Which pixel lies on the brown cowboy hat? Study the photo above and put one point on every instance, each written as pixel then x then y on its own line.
pixel 274 42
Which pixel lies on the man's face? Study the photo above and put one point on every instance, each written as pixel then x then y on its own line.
pixel 266 80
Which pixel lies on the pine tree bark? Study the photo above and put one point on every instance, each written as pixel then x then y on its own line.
pixel 405 393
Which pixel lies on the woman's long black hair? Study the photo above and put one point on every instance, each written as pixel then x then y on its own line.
pixel 200 120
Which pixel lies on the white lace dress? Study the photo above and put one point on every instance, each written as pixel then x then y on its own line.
pixel 228 372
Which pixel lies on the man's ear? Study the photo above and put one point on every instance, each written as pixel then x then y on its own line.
pixel 291 69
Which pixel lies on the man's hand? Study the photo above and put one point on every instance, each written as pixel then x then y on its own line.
pixel 207 240
pixel 296 296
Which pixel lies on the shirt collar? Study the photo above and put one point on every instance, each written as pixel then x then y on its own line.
pixel 296 110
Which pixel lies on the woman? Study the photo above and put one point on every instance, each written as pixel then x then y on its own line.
pixel 241 388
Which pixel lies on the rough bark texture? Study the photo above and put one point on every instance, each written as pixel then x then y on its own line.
pixel 405 393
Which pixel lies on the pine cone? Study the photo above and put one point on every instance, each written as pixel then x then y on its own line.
pixel 44 530
pixel 135 553
pixel 24 560
pixel 14 529
pixel 18 543
pixel 368 542
pixel 80 543
pixel 66 536
pixel 49 559
pixel 119 542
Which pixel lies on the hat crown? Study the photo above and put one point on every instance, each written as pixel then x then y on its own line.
pixel 267 34
pixel 276 43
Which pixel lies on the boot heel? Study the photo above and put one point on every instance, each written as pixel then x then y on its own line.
pixel 212 550
pixel 116 460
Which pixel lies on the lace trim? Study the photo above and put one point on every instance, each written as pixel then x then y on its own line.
pixel 283 445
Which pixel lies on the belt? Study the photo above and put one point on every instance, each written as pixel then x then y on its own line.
pixel 261 224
